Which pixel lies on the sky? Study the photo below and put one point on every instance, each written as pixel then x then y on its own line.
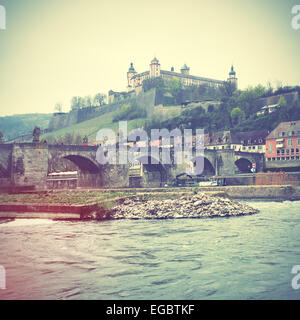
pixel 52 50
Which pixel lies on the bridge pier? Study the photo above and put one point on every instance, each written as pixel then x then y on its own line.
pixel 29 165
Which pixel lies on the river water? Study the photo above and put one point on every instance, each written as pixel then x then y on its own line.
pixel 248 257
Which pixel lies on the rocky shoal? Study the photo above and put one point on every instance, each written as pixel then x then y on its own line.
pixel 194 206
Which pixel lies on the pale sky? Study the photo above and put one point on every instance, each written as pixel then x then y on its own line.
pixel 53 50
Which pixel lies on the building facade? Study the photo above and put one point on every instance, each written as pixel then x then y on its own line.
pixel 283 144
pixel 253 141
pixel 135 80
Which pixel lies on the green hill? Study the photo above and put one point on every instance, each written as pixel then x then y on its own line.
pixel 22 124
pixel 90 128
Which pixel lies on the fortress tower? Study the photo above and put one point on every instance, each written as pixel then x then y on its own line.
pixel 154 68
pixel 131 72
pixel 185 70
pixel 232 77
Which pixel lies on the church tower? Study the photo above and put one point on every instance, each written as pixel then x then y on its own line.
pixel 131 72
pixel 154 68
pixel 232 77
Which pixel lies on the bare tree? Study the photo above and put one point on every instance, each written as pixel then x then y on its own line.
pixel 58 107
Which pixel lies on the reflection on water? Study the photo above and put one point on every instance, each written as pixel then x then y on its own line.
pixel 247 257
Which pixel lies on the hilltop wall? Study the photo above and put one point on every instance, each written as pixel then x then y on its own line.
pixel 290 97
pixel 62 120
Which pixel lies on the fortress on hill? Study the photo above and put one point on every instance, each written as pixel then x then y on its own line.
pixel 135 80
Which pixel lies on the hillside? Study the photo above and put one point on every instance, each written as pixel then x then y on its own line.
pixel 236 111
pixel 21 124
pixel 90 128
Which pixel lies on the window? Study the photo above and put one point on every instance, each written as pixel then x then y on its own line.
pixel 283 158
pixel 278 152
pixel 297 150
pixel 287 151
pixel 282 151
pixel 298 142
pixel 292 151
pixel 260 147
pixel 270 148
pixel 289 142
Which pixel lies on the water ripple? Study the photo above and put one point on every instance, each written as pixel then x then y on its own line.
pixel 245 258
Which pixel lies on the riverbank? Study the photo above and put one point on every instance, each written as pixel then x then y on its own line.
pixel 97 204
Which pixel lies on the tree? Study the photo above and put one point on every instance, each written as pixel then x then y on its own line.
pixel 99 99
pixel 237 115
pixel 75 103
pixel 282 102
pixel 173 86
pixel 58 107
pixel 87 101
pixel 247 100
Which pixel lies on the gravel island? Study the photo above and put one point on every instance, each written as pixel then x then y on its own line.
pixel 188 206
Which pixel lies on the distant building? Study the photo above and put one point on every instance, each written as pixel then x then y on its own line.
pixel 253 141
pixel 135 80
pixel 267 109
pixel 283 143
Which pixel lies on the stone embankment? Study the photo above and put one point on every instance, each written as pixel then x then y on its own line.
pixel 187 206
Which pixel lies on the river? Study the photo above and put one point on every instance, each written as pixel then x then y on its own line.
pixel 247 257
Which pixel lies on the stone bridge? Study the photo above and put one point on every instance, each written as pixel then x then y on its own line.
pixel 29 164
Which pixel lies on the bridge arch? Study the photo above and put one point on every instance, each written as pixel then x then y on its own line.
pixel 77 170
pixel 208 170
pixel 83 163
pixel 244 165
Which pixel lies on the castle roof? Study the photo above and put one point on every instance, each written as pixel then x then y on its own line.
pixel 232 72
pixel 185 67
pixel 154 60
pixel 140 74
pixel 180 75
pixel 131 69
